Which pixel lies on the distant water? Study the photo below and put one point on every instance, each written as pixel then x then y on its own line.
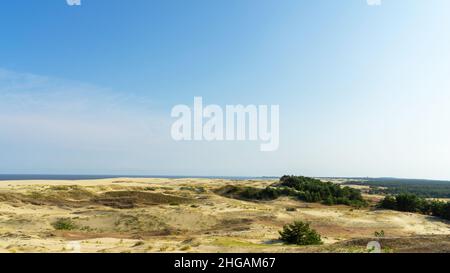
pixel 5 177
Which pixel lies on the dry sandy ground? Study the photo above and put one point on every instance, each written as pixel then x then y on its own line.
pixel 185 215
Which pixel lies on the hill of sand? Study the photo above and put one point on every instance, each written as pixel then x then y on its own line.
pixel 185 215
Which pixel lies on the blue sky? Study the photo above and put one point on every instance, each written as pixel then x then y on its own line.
pixel 363 90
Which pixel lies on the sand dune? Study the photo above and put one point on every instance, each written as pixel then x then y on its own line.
pixel 185 215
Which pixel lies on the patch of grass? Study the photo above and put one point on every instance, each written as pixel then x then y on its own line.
pixel 61 188
pixel 193 189
pixel 64 224
pixel 87 229
pixel 140 243
pixel 163 248
pixel 185 248
pixel 69 192
pixel 229 242
pixel 130 199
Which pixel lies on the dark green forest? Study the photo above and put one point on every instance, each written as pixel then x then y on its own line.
pixel 394 186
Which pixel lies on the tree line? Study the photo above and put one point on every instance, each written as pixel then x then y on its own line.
pixel 412 203
pixel 394 186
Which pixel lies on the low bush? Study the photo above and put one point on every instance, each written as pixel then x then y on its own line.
pixel 300 233
pixel 64 224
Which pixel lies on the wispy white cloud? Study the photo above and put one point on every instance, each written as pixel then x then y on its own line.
pixel 35 92
pixel 65 116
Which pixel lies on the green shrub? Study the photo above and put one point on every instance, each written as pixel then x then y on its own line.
pixel 389 202
pixel 64 224
pixel 379 234
pixel 300 233
pixel 408 202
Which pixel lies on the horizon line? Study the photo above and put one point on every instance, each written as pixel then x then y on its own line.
pixel 241 177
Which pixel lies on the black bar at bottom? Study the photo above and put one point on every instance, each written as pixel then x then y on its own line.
pixel 186 263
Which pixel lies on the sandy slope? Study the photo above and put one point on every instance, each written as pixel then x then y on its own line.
pixel 161 215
